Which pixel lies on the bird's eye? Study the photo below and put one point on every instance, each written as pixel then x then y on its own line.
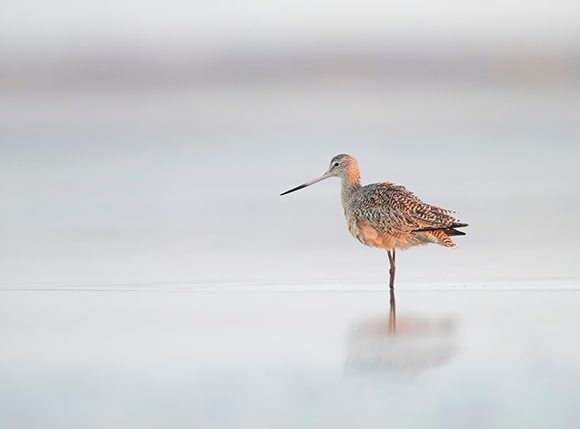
pixel 336 164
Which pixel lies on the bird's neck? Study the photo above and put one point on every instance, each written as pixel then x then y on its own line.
pixel 350 183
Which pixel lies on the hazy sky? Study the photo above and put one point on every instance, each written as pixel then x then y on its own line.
pixel 62 23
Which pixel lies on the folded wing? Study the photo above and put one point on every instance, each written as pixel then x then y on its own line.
pixel 394 210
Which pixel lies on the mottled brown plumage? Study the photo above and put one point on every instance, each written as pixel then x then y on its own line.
pixel 388 216
pixel 397 218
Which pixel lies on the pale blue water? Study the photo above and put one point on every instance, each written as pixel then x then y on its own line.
pixel 151 276
pixel 326 356
pixel 136 207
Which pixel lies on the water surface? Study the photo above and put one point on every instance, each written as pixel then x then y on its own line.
pixel 259 357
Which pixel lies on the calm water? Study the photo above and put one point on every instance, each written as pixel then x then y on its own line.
pixel 151 276
pixel 120 187
pixel 262 356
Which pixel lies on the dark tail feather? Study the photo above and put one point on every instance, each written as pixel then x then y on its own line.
pixel 458 225
pixel 451 232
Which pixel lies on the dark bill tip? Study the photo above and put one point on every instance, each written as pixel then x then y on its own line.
pixel 297 188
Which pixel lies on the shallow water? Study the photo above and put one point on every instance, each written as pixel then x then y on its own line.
pixel 151 276
pixel 122 187
pixel 259 356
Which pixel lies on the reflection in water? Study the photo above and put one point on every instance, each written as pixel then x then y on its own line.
pixel 406 343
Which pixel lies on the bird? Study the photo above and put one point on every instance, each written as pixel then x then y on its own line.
pixel 387 216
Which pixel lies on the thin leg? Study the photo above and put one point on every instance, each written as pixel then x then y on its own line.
pixel 392 269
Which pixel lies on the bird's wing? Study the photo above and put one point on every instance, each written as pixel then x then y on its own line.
pixel 393 209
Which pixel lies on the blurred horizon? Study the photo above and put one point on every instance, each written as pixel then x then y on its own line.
pixel 262 63
pixel 175 42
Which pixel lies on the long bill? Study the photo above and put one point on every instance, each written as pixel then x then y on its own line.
pixel 311 182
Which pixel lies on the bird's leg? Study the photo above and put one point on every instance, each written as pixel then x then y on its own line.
pixel 392 269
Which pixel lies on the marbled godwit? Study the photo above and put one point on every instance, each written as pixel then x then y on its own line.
pixel 387 216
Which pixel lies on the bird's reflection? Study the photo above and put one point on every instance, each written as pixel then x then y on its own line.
pixel 399 343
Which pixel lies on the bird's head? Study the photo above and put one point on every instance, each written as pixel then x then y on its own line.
pixel 343 166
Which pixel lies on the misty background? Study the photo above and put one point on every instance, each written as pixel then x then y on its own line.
pixel 147 142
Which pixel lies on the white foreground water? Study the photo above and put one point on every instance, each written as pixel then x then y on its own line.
pixel 288 356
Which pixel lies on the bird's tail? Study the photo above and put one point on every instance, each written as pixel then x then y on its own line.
pixel 443 236
pixel 452 232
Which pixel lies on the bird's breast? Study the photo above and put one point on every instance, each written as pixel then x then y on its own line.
pixel 364 232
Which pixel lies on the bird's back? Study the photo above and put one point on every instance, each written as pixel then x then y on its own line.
pixel 386 215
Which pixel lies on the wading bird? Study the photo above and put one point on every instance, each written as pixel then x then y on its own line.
pixel 387 216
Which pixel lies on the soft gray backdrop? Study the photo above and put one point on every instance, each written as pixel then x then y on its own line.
pixel 155 151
